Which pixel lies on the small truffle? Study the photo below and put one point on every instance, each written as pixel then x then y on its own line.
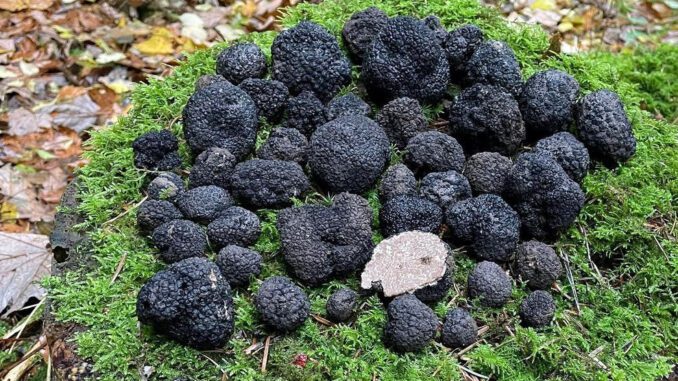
pixel 269 96
pixel 361 29
pixel 459 329
pixel 341 305
pixel 537 309
pixel 306 113
pixel 489 283
pixel 241 61
pixel 547 102
pixel 460 45
pixel 153 213
pixel 402 119
pixel 204 204
pixel 494 63
pixel 235 226
pixel 433 22
pixel 238 264
pixel 433 151
pixel 285 144
pixel 567 151
pixel 397 180
pixel 407 213
pixel 282 305
pixel 349 104
pixel 166 186
pixel 445 188
pixel 487 172
pixel 156 151
pixel 178 240
pixel 537 264
pixel 212 167
pixel 207 80
pixel 411 324
pixel 268 183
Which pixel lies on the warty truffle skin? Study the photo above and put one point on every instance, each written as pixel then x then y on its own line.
pixel 459 329
pixel 178 240
pixel 268 183
pixel 433 23
pixel 445 188
pixel 494 63
pixel 349 104
pixel 411 324
pixel 341 305
pixel 305 113
pixel 402 119
pixel 221 115
pixel 487 171
pixel 153 213
pixel 547 102
pixel 460 45
pixel 487 118
pixel 407 213
pixel 546 199
pixel 405 60
pixel 285 144
pixel 361 29
pixel 433 151
pixel 537 309
pixel 397 180
pixel 436 292
pixel 234 226
pixel 212 167
pixel 238 264
pixel 208 79
pixel 156 151
pixel 604 127
pixel 241 61
pixel 567 151
pixel 166 186
pixel 537 264
pixel 204 204
pixel 190 302
pixel 308 57
pixel 489 283
pixel 269 96
pixel 282 305
pixel 348 154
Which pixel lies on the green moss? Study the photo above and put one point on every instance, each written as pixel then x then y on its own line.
pixel 626 232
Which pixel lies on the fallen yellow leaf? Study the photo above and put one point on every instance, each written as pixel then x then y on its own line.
pixel 565 27
pixel 545 5
pixel 20 5
pixel 160 42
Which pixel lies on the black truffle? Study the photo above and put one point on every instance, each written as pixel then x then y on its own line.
pixel 411 324
pixel 178 240
pixel 567 151
pixel 241 61
pixel 489 283
pixel 433 151
pixel 487 118
pixel 487 172
pixel 207 80
pixel 405 60
pixel 348 154
pixel 402 119
pixel 212 167
pixel 459 329
pixel 433 22
pixel 341 305
pixel 282 305
pixel 361 29
pixel 488 224
pixel 204 204
pixel 407 213
pixel 308 57
pixel 284 144
pixel 494 63
pixel 153 213
pixel 189 302
pixel 604 127
pixel 235 226
pixel 238 264
pixel 221 115
pixel 165 186
pixel 268 183
pixel 537 264
pixel 349 104
pixel 537 309
pixel 305 113
pixel 460 45
pixel 547 102
pixel 269 96
pixel 445 188
pixel 156 151
pixel 397 180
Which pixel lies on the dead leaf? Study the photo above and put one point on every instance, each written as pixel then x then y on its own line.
pixel 20 5
pixel 23 122
pixel 78 114
pixel 160 42
pixel 21 197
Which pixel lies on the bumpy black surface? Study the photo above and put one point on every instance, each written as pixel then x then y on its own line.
pixel 459 329
pixel 189 302
pixel 437 291
pixel 282 305
pixel 178 240
pixel 153 213
pixel 411 324
pixel 445 188
pixel 165 186
pixel 156 151
pixel 402 119
pixel 488 224
pixel 494 63
pixel 487 172
pixel 397 180
pixel 284 144
pixel 433 22
pixel 489 283
pixel 547 200
pixel 320 243
pixel 269 96
pixel 348 154
pixel 460 45
pixel 433 151
pixel 407 213
pixel 268 183
pixel 238 264
pixel 306 113
pixel 547 102
pixel 349 104
pixel 221 115
pixel 537 264
pixel 235 226
pixel 604 127
pixel 487 118
pixel 569 152
pixel 204 204
pixel 405 60
pixel 208 79
pixel 537 309
pixel 307 57
pixel 241 61
pixel 212 167
pixel 341 305
pixel 361 29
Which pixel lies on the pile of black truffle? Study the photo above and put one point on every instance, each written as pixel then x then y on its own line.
pixel 500 176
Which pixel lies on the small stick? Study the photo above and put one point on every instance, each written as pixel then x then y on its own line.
pixel 506 327
pixel 322 320
pixel 588 253
pixel 125 212
pixel 483 329
pixel 118 269
pixel 461 352
pixel 570 279
pixel 472 372
pixel 253 348
pixel 264 361
pixel 661 247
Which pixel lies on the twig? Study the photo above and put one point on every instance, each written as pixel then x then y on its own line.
pixel 256 346
pixel 594 356
pixel 629 344
pixel 118 269
pixel 322 320
pixel 125 212
pixel 570 279
pixel 506 327
pixel 588 253
pixel 35 349
pixel 467 370
pixel 264 361
pixel 661 248
pixel 19 329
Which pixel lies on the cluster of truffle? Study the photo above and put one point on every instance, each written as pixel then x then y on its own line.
pixel 502 177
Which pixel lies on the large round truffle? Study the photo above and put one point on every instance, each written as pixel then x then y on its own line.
pixel 537 264
pixel 269 96
pixel 537 309
pixel 411 324
pixel 459 329
pixel 166 186
pixel 341 305
pixel 547 102
pixel 494 63
pixel 285 144
pixel 241 61
pixel 361 29
pixel 402 119
pixel 212 167
pixel 238 264
pixel 204 204
pixel 433 151
pixel 567 151
pixel 487 171
pixel 397 180
pixel 349 104
pixel 445 188
pixel 407 213
pixel 282 305
pixel 178 240
pixel 156 151
pixel 234 226
pixel 268 183
pixel 489 283
pixel 306 113
pixel 460 45
pixel 153 213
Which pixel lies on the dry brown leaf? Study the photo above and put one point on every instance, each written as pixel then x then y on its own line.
pixel 20 5
pixel 21 197
pixel 79 114
pixel 23 122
